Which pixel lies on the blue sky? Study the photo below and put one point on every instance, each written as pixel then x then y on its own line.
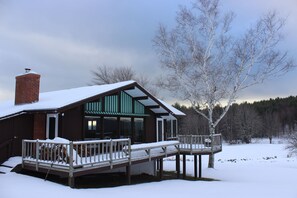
pixel 63 40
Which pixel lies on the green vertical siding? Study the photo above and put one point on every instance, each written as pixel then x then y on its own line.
pixel 126 103
pixel 138 108
pixel 93 107
pixel 111 106
pixel 111 103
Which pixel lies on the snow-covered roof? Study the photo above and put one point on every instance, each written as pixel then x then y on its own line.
pixel 59 99
pixel 172 109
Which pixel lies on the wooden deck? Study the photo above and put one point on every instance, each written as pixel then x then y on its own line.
pixel 73 159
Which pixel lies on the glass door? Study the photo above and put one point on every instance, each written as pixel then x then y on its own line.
pixel 52 126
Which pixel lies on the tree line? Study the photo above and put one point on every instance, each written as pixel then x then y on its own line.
pixel 262 119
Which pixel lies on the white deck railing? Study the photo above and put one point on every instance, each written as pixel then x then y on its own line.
pixel 69 155
pixel 75 154
pixel 194 143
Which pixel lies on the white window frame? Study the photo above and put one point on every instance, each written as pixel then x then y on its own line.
pixel 56 116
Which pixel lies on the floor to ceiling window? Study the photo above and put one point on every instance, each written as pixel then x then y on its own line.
pixel 110 127
pixel 125 127
pixel 138 130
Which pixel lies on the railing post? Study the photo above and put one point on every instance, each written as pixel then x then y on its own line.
pixel 37 154
pixel 129 151
pixel 23 152
pixel 128 167
pixel 191 144
pixel 110 153
pixel 70 177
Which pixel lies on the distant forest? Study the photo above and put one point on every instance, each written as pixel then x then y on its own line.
pixel 263 119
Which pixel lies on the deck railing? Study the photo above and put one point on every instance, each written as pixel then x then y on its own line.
pixel 68 155
pixel 75 154
pixel 194 143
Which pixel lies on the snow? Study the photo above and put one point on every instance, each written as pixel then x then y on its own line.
pixel 61 98
pixel 247 171
pixel 153 145
pixel 172 109
pixel 58 99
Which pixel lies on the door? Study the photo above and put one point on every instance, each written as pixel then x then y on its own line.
pixel 160 129
pixel 52 126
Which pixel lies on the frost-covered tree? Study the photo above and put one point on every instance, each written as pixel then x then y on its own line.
pixel 207 65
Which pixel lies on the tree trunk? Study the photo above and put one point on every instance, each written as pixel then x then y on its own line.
pixel 211 161
pixel 211 156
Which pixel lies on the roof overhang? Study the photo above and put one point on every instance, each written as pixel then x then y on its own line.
pixel 149 101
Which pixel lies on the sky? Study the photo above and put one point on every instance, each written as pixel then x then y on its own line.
pixel 64 40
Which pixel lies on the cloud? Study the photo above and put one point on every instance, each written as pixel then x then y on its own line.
pixel 65 40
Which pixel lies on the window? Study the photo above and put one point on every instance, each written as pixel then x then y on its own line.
pixel 138 129
pixel 168 129
pixel 92 127
pixel 174 128
pixel 160 129
pixel 125 127
pixel 110 127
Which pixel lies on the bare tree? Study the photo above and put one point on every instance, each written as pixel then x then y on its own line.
pixel 247 122
pixel 108 75
pixel 207 65
pixel 271 125
pixel 292 143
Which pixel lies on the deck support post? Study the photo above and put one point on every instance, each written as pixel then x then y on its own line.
pixel 71 181
pixel 177 165
pixel 195 166
pixel 128 174
pixel 161 168
pixel 200 166
pixel 184 166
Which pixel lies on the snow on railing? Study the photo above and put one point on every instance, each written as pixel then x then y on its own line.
pixel 74 154
pixel 200 142
pixel 150 150
pixel 68 155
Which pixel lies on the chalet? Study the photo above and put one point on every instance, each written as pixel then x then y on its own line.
pixel 120 110
pixel 92 129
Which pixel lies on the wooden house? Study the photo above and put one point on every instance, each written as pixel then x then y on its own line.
pixel 93 129
pixel 111 111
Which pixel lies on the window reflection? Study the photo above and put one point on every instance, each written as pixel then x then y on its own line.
pixel 125 128
pixel 139 129
pixel 110 127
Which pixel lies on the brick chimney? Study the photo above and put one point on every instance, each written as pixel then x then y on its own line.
pixel 27 87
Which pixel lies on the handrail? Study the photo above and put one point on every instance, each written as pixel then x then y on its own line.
pixel 85 154
pixel 74 154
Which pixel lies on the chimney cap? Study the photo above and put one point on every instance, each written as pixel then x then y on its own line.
pixel 27 70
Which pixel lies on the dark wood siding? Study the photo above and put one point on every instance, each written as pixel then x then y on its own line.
pixel 39 126
pixel 12 132
pixel 150 127
pixel 71 124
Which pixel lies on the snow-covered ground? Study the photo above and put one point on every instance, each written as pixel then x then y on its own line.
pixel 253 170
